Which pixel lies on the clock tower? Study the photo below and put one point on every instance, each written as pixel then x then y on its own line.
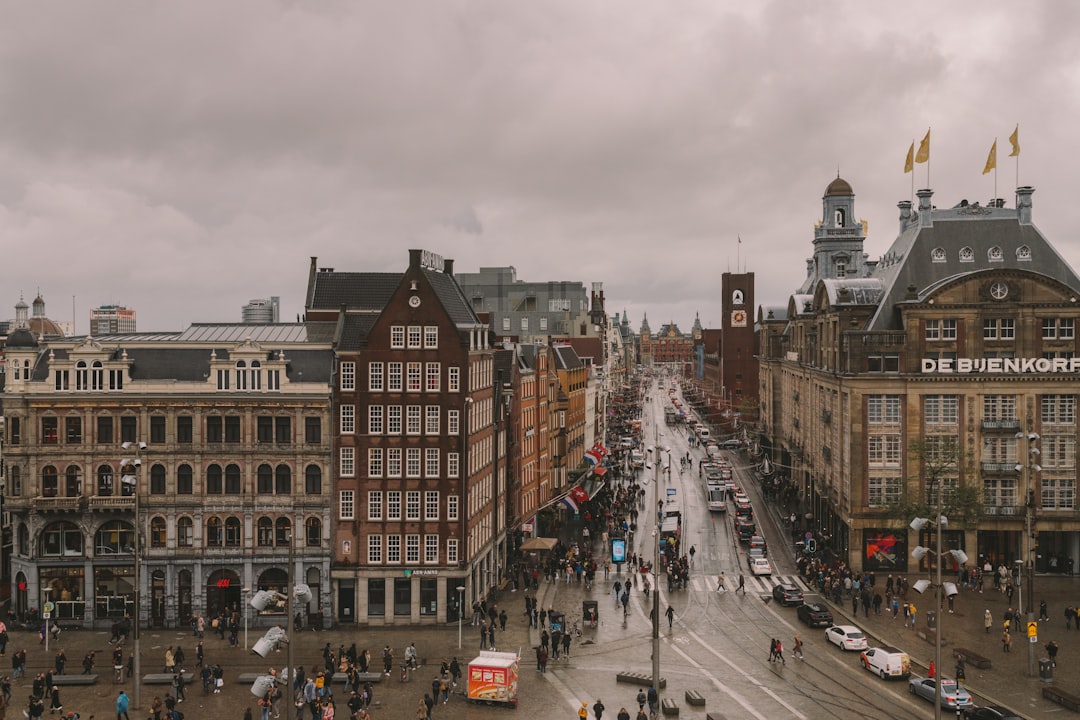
pixel 738 366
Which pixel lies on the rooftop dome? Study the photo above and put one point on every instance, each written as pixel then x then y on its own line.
pixel 21 338
pixel 839 186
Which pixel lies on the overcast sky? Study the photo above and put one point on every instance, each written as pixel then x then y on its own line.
pixel 183 158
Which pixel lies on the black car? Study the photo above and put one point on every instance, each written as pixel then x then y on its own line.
pixel 787 594
pixel 815 614
pixel 991 712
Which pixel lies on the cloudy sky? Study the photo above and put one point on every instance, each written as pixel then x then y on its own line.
pixel 184 158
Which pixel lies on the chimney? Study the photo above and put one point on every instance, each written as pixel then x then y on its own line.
pixel 926 218
pixel 905 214
pixel 448 266
pixel 414 258
pixel 1023 204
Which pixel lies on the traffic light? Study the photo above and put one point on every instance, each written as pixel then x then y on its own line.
pixel 811 546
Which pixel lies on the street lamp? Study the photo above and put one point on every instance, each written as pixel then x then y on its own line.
pixel 245 591
pixel 920 586
pixel 460 610
pixel 128 478
pixel 1031 467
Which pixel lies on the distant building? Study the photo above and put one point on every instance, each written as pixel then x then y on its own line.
pixel 531 311
pixel 262 311
pixel 111 320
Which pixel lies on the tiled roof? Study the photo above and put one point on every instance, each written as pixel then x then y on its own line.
pixel 369 291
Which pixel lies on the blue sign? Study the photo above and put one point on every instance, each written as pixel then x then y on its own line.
pixel 618 550
pixel 671 491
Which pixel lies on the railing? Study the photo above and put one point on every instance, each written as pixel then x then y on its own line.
pixel 57 503
pixel 112 502
pixel 1011 425
pixel 1003 510
pixel 1006 468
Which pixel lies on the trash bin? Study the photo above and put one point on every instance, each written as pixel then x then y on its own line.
pixel 931 619
pixel 1046 670
pixel 590 613
pixel 557 620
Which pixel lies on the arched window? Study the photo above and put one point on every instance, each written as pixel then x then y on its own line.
pixel 157 532
pixel 115 537
pixel 313 532
pixel 233 534
pixel 1023 253
pixel 214 532
pixel 265 531
pixel 97 376
pixel 281 531
pixel 184 482
pixel 283 480
pixel 313 480
pixel 241 375
pixel 232 479
pixel 265 475
pixel 256 375
pixel 185 531
pixel 73 481
pixel 50 484
pixel 105 480
pixel 213 480
pixel 157 479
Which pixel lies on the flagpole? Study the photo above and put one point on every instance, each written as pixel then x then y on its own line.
pixel 912 198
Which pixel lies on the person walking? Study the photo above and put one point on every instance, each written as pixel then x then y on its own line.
pixel 598 709
pixel 122 704
pixel 653 698
pixel 640 700
pixel 796 649
pixel 780 651
pixel 583 711
pixel 742 584
pixel 772 649
pixel 624 714
pixel 56 704
pixel 1006 640
pixel 720 582
pixel 670 616
pixel 988 620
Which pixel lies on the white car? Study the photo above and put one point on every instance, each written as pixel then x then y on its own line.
pixel 846 637
pixel 761 566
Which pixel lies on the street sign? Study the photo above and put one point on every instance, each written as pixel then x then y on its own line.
pixel 48 607
pixel 1033 629
pixel 46 615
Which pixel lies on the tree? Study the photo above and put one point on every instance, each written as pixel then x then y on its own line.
pixel 939 461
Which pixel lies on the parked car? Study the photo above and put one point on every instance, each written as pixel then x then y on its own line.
pixel 952 695
pixel 787 594
pixel 815 614
pixel 731 444
pixel 991 712
pixel 761 566
pixel 886 662
pixel 846 637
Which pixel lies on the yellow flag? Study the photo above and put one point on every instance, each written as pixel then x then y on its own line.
pixel 991 159
pixel 924 149
pixel 910 158
pixel 1015 140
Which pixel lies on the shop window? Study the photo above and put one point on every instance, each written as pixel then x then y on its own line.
pixel 114 538
pixel 62 539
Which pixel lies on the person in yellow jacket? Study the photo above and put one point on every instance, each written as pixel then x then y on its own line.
pixel 583 711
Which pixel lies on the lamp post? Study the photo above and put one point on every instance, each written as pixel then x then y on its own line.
pixel 460 610
pixel 655 450
pixel 128 477
pixel 1029 470
pixel 245 592
pixel 290 593
pixel 920 586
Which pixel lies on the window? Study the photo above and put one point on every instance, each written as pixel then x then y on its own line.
pixel 397 337
pixel 393 420
pixel 105 480
pixel 393 381
pixel 431 549
pixel 883 491
pixel 1066 329
pixel 376 597
pixel 312 430
pixel 283 430
pixel 413 377
pixel 1058 452
pixel 346 505
pixel 883 362
pixel 265 532
pixel 451 551
pixel 214 476
pixel 232 429
pixel 264 429
pixel 348 375
pixel 431 419
pixel 940 409
pixel 184 429
pixel 62 380
pixel 393 462
pixel 431 337
pixel 412 420
pixel 393 505
pixel 452 507
pixel 375 419
pixel 415 334
pixel 215 535
pixel 433 372
pixel 348 419
pixel 50 482
pixel 525 324
pixel 412 549
pixel 999 407
pixel 393 548
pixel 376 381
pixel 62 539
pixel 453 379
pixel 157 429
pixel 374 505
pixel 283 480
pixel 967 255
pixel 412 462
pixel 282 532
pixel 185 531
pixel 157 479
pixel 375 462
pixel 157 532
pixel 16 432
pixel 185 483
pixel 884 450
pixel 1000 450
pixel 431 504
pixel 412 505
pixel 1000 492
pixel 506 324
pixel 313 480
pixel 883 409
pixel 233 535
pixel 214 429
pixel 129 428
pixel 73 480
pixel 1049 329
pixel 1057 329
pixel 50 432
pixel 431 462
pixel 374 548
pixel 933 329
pixel 543 322
pixel 1058 493
pixel 453 422
pixel 1058 409
pixel 453 464
pixel 222 379
pixel 346 461
pixel 999 329
pixel 104 430
pixel 948 329
pixel 264 479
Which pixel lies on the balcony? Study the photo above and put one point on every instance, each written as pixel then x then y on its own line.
pixel 998 468
pixel 1003 510
pixel 112 502
pixel 52 503
pixel 1001 425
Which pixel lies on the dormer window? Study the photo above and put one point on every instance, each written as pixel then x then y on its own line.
pixel 1023 253
pixel 994 254
pixel 967 255
pixel 937 255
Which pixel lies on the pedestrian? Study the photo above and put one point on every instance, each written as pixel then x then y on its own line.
pixel 932 670
pixel 583 711
pixel 1070 613
pixel 961 675
pixel 780 651
pixel 455 670
pixel 598 709
pixel 1043 611
pixel 624 714
pixel 566 645
pixel 1051 652
pixel 670 616
pixel 772 649
pixel 429 702
pixel 641 700
pixel 57 705
pixel 720 582
pixel 543 659
pixel 1006 640
pixel 796 649
pixel 122 703
pixel 653 698
pixel 421 710
pixel 502 619
pixel 742 584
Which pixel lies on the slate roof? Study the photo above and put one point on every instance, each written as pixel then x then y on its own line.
pixel 566 358
pixel 365 291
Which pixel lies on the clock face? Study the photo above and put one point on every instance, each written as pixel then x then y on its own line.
pixel 999 291
pixel 738 318
pixel 414 301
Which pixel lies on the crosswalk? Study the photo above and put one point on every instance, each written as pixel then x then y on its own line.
pixel 754 583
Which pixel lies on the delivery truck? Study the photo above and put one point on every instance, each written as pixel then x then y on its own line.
pixel 493 678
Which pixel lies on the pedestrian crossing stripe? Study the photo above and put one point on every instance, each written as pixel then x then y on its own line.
pixel 754 583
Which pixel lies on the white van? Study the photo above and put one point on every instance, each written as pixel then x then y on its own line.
pixel 703 434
